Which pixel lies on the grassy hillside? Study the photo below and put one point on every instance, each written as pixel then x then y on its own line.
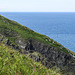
pixel 13 63
pixel 30 44
pixel 8 26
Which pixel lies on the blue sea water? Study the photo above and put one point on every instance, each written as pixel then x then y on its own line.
pixel 59 26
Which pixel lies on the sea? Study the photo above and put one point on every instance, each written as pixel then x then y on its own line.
pixel 59 26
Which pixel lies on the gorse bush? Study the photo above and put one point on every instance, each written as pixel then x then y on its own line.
pixel 14 63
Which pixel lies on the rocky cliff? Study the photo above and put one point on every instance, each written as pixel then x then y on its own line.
pixel 38 47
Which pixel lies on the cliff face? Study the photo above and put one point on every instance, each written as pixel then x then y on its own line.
pixel 48 52
pixel 49 56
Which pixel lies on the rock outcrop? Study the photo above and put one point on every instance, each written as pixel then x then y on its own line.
pixel 38 47
pixel 49 56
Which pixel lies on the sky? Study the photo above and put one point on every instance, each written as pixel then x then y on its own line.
pixel 37 5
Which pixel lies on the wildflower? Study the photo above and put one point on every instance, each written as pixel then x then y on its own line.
pixel 20 73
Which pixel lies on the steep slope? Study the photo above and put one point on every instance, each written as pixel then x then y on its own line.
pixel 37 46
pixel 14 63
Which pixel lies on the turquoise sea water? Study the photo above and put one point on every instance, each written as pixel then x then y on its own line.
pixel 58 26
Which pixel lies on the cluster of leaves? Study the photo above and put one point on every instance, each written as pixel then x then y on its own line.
pixel 14 63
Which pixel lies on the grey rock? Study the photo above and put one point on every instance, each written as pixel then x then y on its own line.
pixel 51 56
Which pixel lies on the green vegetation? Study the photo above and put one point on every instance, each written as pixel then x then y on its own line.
pixel 31 44
pixel 14 63
pixel 8 26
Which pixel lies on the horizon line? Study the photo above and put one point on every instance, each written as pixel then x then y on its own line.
pixel 26 11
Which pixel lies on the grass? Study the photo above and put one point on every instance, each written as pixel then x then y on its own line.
pixel 8 26
pixel 14 63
